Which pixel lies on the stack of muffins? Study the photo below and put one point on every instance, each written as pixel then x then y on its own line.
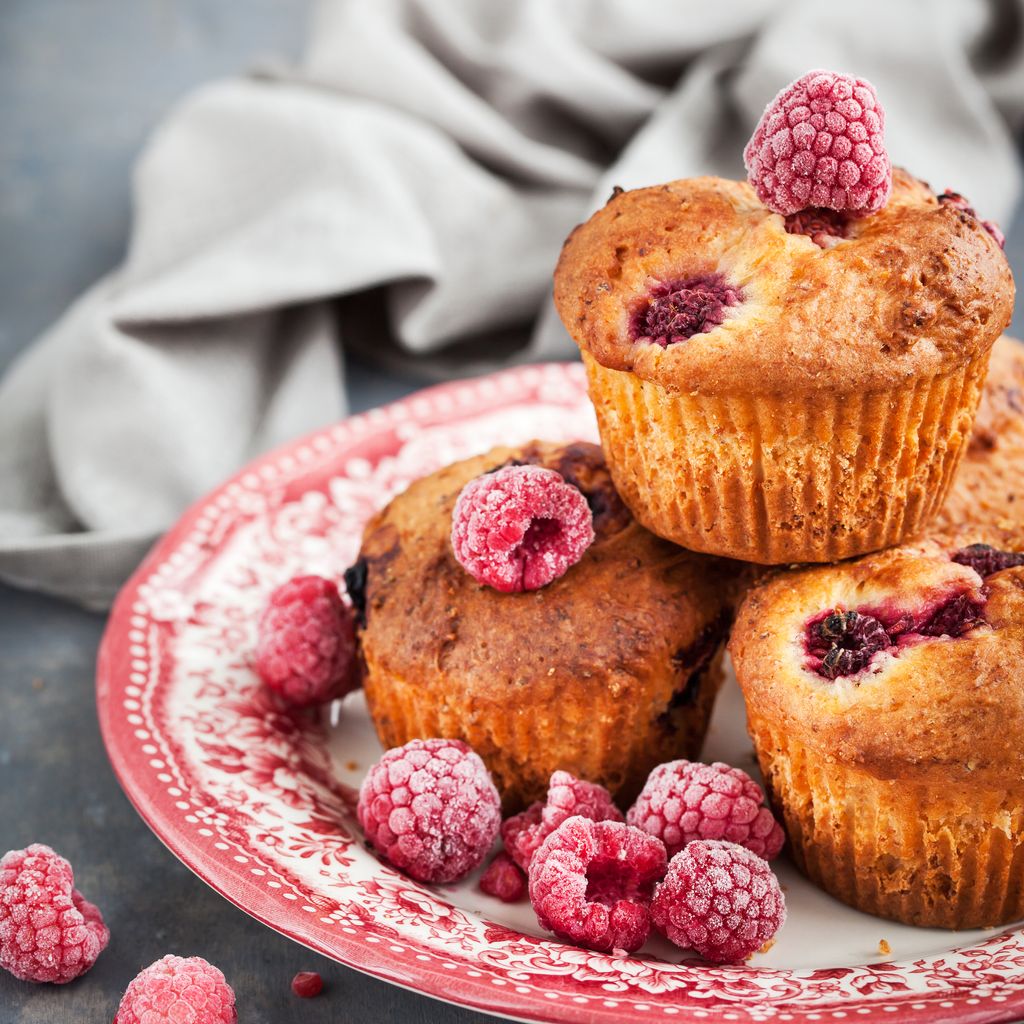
pixel 785 372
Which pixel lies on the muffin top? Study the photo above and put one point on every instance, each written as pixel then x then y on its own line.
pixel 632 605
pixel 697 286
pixel 989 485
pixel 905 663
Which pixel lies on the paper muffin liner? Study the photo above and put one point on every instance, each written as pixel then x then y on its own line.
pixel 605 739
pixel 774 478
pixel 936 854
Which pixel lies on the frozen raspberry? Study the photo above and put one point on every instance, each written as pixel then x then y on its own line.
pixel 307 984
pixel 591 882
pixel 567 797
pixel 845 642
pixel 504 879
pixel 48 932
pixel 307 644
pixel 678 310
pixel 520 527
pixel 821 142
pixel 178 990
pixel 986 560
pixel 431 809
pixel 958 202
pixel 719 899
pixel 684 800
pixel 825 228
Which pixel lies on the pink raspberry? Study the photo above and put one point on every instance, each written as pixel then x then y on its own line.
pixel 567 797
pixel 306 652
pixel 431 809
pixel 719 899
pixel 958 202
pixel 307 984
pixel 821 142
pixel 48 931
pixel 677 310
pixel 591 883
pixel 685 800
pixel 520 527
pixel 178 990
pixel 504 879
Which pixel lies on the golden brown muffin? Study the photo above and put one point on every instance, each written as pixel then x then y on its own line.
pixel 988 488
pixel 885 698
pixel 780 396
pixel 606 672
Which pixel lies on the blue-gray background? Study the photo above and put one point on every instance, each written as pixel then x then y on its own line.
pixel 81 84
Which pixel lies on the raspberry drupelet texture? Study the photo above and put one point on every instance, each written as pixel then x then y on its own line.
pixel 306 651
pixel 958 202
pixel 986 560
pixel 684 800
pixel 567 797
pixel 846 642
pixel 520 527
pixel 504 879
pixel 307 984
pixel 821 142
pixel 48 931
pixel 431 809
pixel 591 883
pixel 178 990
pixel 677 310
pixel 719 899
pixel 825 228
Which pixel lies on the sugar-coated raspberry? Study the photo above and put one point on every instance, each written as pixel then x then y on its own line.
pixel 306 652
pixel 504 879
pixel 48 931
pixel 307 984
pixel 821 142
pixel 958 202
pixel 567 797
pixel 719 899
pixel 677 310
pixel 520 527
pixel 684 800
pixel 986 560
pixel 431 809
pixel 591 883
pixel 178 990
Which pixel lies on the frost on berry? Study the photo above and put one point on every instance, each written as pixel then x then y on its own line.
pixel 986 560
pixel 520 527
pixel 958 202
pixel 825 228
pixel 306 648
pixel 719 899
pixel 431 809
pixel 591 883
pixel 504 879
pixel 48 931
pixel 567 797
pixel 683 801
pixel 821 143
pixel 178 990
pixel 845 642
pixel 677 310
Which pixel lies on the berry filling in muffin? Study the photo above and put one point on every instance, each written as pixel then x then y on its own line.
pixel 823 226
pixel 678 310
pixel 986 560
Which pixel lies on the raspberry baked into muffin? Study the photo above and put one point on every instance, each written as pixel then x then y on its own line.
pixel 988 488
pixel 606 671
pixel 885 698
pixel 787 370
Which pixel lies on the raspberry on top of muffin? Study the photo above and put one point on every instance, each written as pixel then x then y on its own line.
pixel 605 671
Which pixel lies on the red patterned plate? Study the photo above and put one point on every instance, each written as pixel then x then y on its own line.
pixel 259 804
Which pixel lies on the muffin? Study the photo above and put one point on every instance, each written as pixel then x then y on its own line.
pixel 605 672
pixel 988 488
pixel 885 698
pixel 783 389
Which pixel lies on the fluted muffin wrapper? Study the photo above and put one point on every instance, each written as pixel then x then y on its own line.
pixel 774 478
pixel 607 740
pixel 937 854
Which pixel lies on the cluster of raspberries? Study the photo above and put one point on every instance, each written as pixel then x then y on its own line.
pixel 690 857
